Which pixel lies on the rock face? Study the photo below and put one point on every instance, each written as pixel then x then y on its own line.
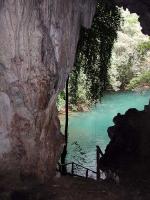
pixel 38 41
pixel 129 149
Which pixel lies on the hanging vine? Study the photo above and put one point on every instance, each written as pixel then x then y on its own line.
pixel 94 51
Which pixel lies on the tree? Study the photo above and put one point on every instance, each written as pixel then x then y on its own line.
pixel 128 58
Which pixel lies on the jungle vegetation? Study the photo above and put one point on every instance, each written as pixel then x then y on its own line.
pixel 90 74
pixel 130 63
pixel 110 56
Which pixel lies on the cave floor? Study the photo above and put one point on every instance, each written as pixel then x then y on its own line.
pixel 69 188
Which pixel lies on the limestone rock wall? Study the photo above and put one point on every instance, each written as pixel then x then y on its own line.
pixel 38 42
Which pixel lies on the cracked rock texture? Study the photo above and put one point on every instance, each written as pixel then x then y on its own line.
pixel 38 41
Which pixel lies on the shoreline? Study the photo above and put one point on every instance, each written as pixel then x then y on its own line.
pixel 86 108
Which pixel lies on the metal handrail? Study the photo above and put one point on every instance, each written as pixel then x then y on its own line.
pixel 99 153
pixel 76 164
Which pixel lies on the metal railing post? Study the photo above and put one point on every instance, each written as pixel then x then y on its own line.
pixel 87 171
pixel 97 162
pixel 72 170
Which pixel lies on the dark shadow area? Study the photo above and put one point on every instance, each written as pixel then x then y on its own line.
pixel 128 153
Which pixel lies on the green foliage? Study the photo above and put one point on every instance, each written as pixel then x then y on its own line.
pixel 143 47
pixel 94 51
pixel 130 56
pixel 140 81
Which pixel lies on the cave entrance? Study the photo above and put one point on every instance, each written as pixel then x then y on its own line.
pixel 128 87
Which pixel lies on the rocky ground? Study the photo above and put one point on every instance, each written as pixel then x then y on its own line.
pixel 68 188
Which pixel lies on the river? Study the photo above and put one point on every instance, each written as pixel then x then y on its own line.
pixel 88 129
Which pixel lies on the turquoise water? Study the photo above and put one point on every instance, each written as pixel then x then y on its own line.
pixel 86 130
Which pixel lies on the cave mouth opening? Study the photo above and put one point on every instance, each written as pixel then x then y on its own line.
pixel 127 153
pixel 129 67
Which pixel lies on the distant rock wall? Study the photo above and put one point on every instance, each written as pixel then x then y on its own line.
pixel 38 41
